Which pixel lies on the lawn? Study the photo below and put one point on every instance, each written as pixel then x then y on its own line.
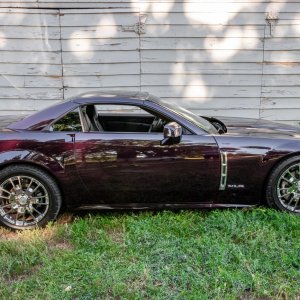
pixel 218 254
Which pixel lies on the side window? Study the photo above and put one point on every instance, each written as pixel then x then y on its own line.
pixel 69 122
pixel 125 118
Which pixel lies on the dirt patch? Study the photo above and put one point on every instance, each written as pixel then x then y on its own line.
pixel 66 218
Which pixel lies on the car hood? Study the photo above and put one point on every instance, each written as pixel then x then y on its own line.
pixel 259 127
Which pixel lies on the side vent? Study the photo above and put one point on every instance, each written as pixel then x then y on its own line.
pixel 223 179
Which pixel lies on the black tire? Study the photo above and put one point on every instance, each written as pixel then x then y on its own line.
pixel 290 187
pixel 37 192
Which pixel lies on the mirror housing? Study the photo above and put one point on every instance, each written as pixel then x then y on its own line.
pixel 172 134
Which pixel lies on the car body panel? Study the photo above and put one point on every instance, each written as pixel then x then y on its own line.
pixel 53 152
pixel 137 167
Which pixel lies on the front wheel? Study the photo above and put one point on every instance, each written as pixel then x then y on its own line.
pixel 29 197
pixel 283 188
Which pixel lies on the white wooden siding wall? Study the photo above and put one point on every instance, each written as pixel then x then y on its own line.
pixel 96 53
pixel 215 57
pixel 30 59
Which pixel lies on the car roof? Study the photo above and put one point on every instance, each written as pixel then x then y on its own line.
pixel 42 118
pixel 110 95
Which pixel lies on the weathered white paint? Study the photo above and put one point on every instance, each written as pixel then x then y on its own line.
pixel 30 81
pixel 30 69
pixel 215 57
pixel 202 56
pixel 30 93
pixel 196 68
pixel 102 81
pixel 101 69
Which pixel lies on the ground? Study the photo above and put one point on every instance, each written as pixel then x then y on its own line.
pixel 217 254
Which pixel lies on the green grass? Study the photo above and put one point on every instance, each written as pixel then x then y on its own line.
pixel 219 254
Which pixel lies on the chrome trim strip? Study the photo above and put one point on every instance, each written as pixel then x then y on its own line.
pixel 223 179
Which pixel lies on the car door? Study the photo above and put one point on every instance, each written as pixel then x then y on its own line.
pixel 128 168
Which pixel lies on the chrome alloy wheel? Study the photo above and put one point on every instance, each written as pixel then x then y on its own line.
pixel 24 201
pixel 288 188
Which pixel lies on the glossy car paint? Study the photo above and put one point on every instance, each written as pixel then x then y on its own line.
pixel 134 167
pixel 109 170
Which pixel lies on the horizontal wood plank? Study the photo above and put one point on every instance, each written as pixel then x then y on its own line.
pixel 277 67
pixel 29 45
pixel 102 69
pixel 204 91
pixel 96 32
pixel 204 31
pixel 287 114
pixel 209 18
pixel 242 113
pixel 227 43
pixel 32 17
pixel 201 56
pixel 30 69
pixel 200 80
pixel 30 81
pixel 283 43
pixel 88 45
pixel 30 57
pixel 102 81
pixel 281 91
pixel 282 56
pixel 71 92
pixel 30 93
pixel 279 103
pixel 15 106
pixel 29 32
pixel 79 18
pixel 216 103
pixel 100 57
pixel 283 80
pixel 200 68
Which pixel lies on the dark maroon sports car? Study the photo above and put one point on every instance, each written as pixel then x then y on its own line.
pixel 134 150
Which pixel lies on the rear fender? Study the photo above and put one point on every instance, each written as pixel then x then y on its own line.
pixel 53 165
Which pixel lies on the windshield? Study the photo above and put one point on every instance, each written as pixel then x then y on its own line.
pixel 187 114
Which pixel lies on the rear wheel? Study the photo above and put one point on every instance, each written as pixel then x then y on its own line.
pixel 283 188
pixel 29 197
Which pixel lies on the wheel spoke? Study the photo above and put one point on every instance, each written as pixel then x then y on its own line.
pixel 296 204
pixel 5 191
pixel 17 216
pixel 23 219
pixel 30 183
pixel 19 180
pixel 36 188
pixel 12 183
pixel 6 205
pixel 34 218
pixel 292 177
pixel 7 213
pixel 282 196
pixel 36 211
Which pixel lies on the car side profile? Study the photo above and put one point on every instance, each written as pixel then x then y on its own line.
pixel 118 150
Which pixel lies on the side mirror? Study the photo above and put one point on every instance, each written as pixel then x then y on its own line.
pixel 172 134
